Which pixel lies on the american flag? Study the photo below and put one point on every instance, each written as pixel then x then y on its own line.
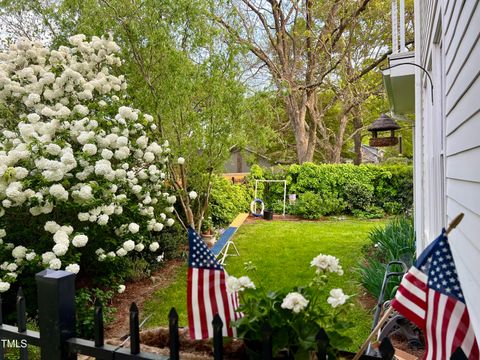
pixel 431 297
pixel 206 291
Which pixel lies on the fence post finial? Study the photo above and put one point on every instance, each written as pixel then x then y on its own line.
pixel 173 334
pixel 134 330
pixel 217 324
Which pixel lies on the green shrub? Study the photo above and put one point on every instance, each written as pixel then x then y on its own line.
pixel 85 303
pixel 277 207
pixel 358 195
pixel 394 185
pixel 313 206
pixel 395 241
pixel 227 201
pixel 370 212
pixel 393 207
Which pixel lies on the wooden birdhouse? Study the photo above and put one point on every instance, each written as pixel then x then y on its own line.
pixel 382 124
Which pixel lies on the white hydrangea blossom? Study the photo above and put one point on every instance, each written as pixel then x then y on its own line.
pixel 4 286
pixel 19 252
pixel 133 228
pixel 60 249
pixel 47 257
pixel 73 268
pixel 121 252
pixel 154 246
pixel 55 264
pixel 129 245
pixel 79 240
pixel 61 237
pixel 57 153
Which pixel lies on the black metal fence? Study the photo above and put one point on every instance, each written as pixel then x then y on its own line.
pixel 57 341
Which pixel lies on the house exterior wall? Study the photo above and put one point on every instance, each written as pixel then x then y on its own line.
pixel 447 134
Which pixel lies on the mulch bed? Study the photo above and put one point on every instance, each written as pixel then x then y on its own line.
pixel 138 292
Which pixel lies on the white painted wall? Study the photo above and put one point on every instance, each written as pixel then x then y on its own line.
pixel 447 134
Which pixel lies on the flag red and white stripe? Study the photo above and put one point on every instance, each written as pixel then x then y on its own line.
pixel 207 293
pixel 431 297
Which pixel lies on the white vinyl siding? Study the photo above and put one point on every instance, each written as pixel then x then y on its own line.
pixel 463 146
pixel 458 111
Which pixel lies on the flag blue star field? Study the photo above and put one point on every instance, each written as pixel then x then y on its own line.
pixel 206 291
pixel 430 296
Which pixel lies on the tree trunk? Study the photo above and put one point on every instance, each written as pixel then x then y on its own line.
pixel 357 137
pixel 297 112
pixel 338 146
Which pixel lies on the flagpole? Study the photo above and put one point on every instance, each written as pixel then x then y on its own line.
pixel 453 224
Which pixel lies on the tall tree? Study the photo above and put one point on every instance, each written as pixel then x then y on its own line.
pixel 311 49
pixel 301 43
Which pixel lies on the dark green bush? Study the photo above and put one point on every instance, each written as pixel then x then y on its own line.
pixel 313 206
pixel 394 185
pixel 395 241
pixel 370 212
pixel 359 196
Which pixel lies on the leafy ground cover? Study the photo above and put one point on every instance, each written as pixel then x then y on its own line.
pixel 282 251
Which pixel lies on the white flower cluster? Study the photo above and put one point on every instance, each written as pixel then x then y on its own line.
pixel 294 301
pixel 327 263
pixel 235 285
pixel 73 152
pixel 337 297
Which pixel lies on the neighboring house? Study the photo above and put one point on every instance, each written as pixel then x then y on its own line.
pixel 447 134
pixel 371 154
pixel 241 159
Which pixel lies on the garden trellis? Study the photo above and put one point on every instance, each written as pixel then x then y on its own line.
pixel 274 181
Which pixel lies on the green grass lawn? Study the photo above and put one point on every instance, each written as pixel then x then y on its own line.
pixel 282 251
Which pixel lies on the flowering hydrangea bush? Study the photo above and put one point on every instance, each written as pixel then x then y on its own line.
pixel 295 317
pixel 82 179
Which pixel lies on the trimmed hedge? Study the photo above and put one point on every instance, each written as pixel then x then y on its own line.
pixel 367 191
pixel 364 191
pixel 227 201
